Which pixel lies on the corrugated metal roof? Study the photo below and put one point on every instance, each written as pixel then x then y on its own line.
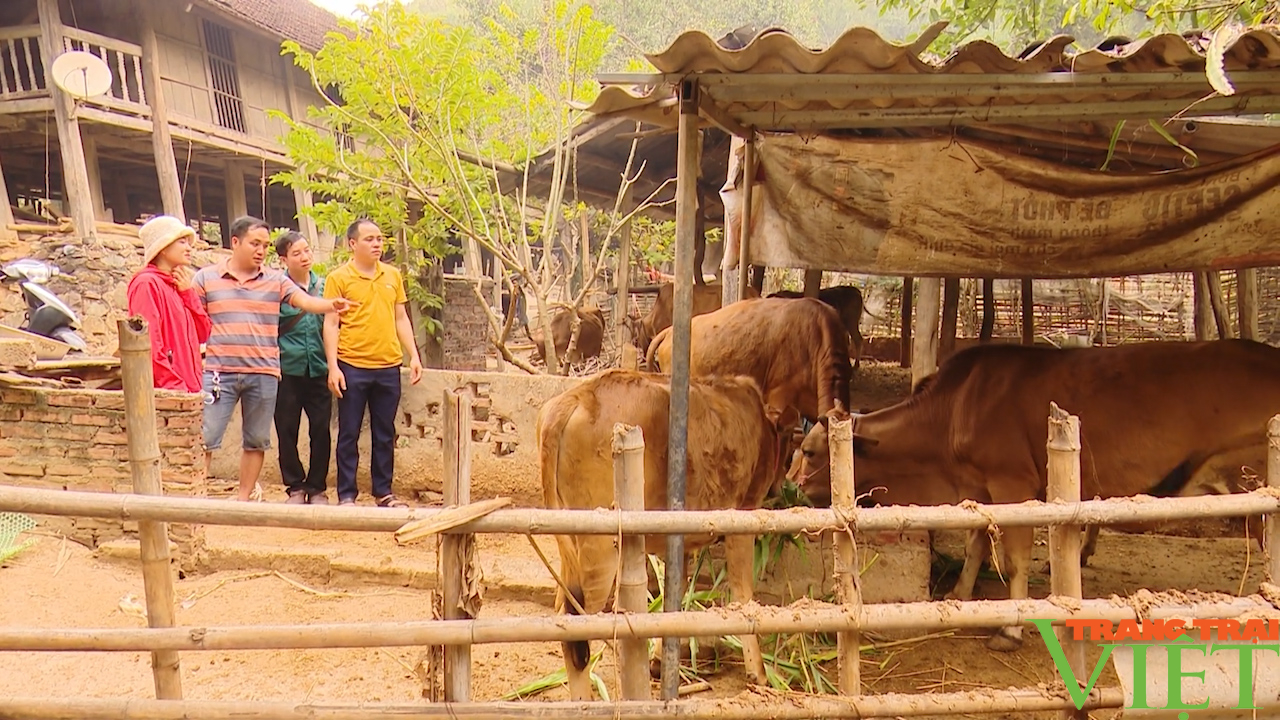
pixel 862 80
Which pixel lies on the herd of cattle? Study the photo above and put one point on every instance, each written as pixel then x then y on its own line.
pixel 1151 415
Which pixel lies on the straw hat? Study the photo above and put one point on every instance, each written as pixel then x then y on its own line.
pixel 159 233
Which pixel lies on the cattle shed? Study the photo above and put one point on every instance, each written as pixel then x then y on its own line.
pixel 876 158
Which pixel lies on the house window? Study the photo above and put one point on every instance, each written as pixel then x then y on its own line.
pixel 228 106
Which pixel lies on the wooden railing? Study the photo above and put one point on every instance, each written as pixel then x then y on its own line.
pixel 21 67
pixel 125 61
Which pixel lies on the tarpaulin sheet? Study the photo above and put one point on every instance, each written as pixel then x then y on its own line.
pixel 930 207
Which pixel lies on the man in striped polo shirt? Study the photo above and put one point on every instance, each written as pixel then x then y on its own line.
pixel 242 359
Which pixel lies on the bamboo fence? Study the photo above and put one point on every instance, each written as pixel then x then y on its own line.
pixel 460 629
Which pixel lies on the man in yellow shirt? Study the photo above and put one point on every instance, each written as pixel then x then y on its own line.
pixel 365 349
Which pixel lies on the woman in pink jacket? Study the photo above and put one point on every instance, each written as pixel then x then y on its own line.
pixel 161 293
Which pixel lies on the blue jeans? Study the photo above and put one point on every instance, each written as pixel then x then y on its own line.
pixel 256 393
pixel 379 391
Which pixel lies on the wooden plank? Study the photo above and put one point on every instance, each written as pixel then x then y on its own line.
pixel 456 551
pixel 237 204
pixel 75 174
pixel 950 313
pixel 94 168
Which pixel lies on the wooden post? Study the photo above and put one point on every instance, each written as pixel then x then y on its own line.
pixel 924 351
pixel 1064 540
pixel 678 419
pixel 849 583
pixel 456 551
pixel 237 203
pixel 744 231
pixel 1103 311
pixel 633 583
pixel 950 313
pixel 988 310
pixel 812 283
pixel 908 293
pixel 1247 303
pixel 1028 312
pixel 622 278
pixel 1221 318
pixel 75 174
pixel 6 210
pixel 757 278
pixel 1271 522
pixel 93 167
pixel 1203 312
pixel 144 466
pixel 161 141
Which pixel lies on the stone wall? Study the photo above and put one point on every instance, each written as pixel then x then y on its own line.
pixel 93 282
pixel 75 440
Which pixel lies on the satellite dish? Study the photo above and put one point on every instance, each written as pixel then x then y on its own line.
pixel 81 74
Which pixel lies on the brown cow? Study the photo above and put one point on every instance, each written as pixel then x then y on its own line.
pixel 847 300
pixel 1151 415
pixel 797 350
pixel 734 454
pixel 706 298
pixel 590 335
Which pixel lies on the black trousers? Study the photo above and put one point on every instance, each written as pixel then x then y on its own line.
pixel 378 390
pixel 298 394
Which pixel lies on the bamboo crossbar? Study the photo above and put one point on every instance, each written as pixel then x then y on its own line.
pixel 538 521
pixel 751 618
pixel 747 706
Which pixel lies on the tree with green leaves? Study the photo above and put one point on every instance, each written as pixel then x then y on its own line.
pixel 423 113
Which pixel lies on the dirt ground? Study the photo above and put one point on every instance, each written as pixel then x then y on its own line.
pixel 58 583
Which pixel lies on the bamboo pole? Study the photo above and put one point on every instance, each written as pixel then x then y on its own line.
pixel 849 585
pixel 144 465
pixel 456 551
pixel 1064 540
pixel 1271 526
pixel 740 619
pixel 539 521
pixel 633 581
pixel 747 706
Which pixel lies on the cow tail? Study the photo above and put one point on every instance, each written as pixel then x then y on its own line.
pixel 551 423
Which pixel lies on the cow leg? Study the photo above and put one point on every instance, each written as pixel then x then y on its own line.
pixel 740 555
pixel 591 584
pixel 1090 544
pixel 976 547
pixel 1017 551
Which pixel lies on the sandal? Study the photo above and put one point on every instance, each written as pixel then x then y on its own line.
pixel 391 501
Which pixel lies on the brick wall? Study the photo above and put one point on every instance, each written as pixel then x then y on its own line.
pixel 75 440
pixel 466 326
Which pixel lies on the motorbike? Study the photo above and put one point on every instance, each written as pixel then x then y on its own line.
pixel 47 315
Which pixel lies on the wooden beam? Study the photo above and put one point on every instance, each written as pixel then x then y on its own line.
pixel 1247 303
pixel 812 283
pixel 950 313
pixel 1028 312
pixel 744 229
pixel 75 174
pixel 92 164
pixel 161 138
pixel 721 119
pixel 908 291
pixel 924 351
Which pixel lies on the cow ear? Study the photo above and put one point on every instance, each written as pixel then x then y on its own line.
pixel 862 443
